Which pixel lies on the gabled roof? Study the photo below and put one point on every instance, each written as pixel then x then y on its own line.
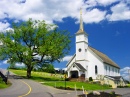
pixel 104 57
pixel 80 66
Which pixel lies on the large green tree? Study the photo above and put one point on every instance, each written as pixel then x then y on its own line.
pixel 34 43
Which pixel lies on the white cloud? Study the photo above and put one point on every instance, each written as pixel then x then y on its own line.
pixel 67 58
pixel 20 64
pixel 56 10
pixel 125 69
pixel 48 10
pixel 125 73
pixel 92 3
pixel 106 2
pixel 120 11
pixel 5 61
pixel 94 16
pixel 4 26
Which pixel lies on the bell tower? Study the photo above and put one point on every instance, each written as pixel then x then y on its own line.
pixel 81 42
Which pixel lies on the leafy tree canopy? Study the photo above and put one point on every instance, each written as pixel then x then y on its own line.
pixel 34 43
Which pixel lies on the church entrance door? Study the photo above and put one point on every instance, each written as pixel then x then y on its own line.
pixel 74 74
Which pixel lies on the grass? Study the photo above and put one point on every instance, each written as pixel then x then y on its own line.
pixel 39 76
pixel 58 81
pixel 79 85
pixel 3 85
pixel 128 85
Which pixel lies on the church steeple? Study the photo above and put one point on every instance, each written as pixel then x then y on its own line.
pixel 81 43
pixel 81 26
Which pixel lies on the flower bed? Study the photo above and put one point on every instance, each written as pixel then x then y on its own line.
pixel 102 94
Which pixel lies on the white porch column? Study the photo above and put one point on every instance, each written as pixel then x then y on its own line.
pixel 68 72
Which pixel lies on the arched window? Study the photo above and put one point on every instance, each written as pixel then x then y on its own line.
pixel 96 69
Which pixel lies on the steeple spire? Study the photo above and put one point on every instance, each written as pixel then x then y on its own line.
pixel 81 28
pixel 81 21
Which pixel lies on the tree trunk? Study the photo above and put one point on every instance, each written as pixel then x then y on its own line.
pixel 29 69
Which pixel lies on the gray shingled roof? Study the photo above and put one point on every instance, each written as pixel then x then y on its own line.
pixel 80 66
pixel 104 57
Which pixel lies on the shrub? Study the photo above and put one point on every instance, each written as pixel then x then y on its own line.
pixel 112 92
pixel 67 79
pixel 110 85
pixel 90 79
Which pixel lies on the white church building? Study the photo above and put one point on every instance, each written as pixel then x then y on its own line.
pixel 89 62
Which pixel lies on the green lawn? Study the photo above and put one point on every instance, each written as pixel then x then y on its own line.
pixel 40 76
pixel 78 85
pixel 128 85
pixel 58 81
pixel 3 85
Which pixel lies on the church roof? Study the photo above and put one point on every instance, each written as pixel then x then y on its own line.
pixel 104 57
pixel 80 66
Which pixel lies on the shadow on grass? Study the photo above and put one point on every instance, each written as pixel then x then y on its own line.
pixel 36 78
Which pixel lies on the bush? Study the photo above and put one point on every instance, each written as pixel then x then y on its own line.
pixel 67 79
pixel 122 86
pixel 90 79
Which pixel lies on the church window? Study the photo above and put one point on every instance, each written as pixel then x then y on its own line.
pixel 118 71
pixel 79 49
pixel 106 68
pixel 96 69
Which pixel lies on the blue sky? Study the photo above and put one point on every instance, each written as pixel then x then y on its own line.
pixel 107 23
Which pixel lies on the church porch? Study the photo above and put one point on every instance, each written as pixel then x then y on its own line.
pixel 76 75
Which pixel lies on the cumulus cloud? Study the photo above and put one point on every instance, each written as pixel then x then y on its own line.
pixel 4 26
pixel 94 16
pixel 48 10
pixel 20 64
pixel 106 2
pixel 125 69
pixel 125 72
pixel 5 61
pixel 67 58
pixel 92 3
pixel 56 10
pixel 120 11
